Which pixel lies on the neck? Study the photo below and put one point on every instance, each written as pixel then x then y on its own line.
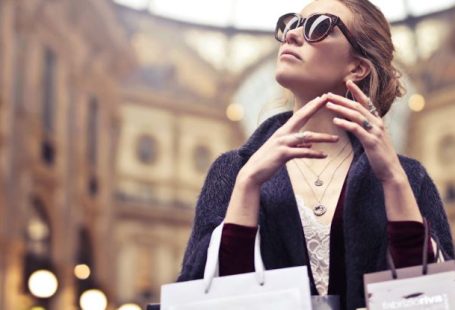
pixel 322 121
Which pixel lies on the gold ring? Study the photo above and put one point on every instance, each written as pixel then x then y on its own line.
pixel 372 108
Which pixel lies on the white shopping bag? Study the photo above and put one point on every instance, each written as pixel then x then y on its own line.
pixel 282 289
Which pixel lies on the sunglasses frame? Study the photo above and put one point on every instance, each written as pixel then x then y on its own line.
pixel 334 21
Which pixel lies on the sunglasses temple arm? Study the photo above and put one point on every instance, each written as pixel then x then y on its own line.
pixel 351 40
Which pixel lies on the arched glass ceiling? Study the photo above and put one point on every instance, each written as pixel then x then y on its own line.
pixel 260 15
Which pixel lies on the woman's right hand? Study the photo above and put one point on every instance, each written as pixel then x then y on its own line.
pixel 285 144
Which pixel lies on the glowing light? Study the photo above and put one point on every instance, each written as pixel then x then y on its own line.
pixel 82 271
pixel 42 283
pixel 93 299
pixel 235 112
pixel 416 103
pixel 129 307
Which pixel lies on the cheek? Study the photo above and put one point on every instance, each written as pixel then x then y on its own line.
pixel 330 57
pixel 328 62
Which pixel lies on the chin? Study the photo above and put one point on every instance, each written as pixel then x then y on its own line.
pixel 288 80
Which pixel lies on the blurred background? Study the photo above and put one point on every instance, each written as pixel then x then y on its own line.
pixel 111 113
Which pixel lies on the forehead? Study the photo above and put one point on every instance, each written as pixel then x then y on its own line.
pixel 334 7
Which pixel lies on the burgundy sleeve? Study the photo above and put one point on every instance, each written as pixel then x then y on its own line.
pixel 406 242
pixel 237 249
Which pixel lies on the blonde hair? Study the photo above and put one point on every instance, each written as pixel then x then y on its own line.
pixel 372 31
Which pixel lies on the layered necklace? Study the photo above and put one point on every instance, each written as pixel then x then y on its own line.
pixel 318 181
pixel 320 209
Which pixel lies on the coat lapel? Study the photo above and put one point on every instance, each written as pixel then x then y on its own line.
pixel 277 196
pixel 278 200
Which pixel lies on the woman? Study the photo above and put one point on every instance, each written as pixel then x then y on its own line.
pixel 323 181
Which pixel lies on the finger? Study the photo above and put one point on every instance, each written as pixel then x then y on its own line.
pixel 308 137
pixel 304 153
pixel 359 131
pixel 302 115
pixel 353 105
pixel 349 113
pixel 361 97
pixel 358 94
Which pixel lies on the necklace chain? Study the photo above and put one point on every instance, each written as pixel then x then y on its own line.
pixel 320 209
pixel 318 181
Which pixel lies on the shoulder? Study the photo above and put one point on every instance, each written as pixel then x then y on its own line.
pixel 223 171
pixel 227 160
pixel 227 165
pixel 263 133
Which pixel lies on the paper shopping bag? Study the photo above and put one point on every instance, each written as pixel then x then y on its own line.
pixel 284 289
pixel 429 287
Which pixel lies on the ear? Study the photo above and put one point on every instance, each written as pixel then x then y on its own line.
pixel 359 69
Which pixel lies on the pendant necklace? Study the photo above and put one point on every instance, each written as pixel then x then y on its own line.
pixel 319 209
pixel 318 181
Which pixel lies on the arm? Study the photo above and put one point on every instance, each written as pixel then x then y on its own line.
pixel 401 203
pixel 210 211
pixel 432 208
pixel 406 237
pixel 399 199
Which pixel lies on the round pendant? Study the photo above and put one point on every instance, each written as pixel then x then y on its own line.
pixel 318 182
pixel 319 210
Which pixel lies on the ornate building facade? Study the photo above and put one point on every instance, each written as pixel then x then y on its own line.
pixel 59 91
pixel 431 133
pixel 173 125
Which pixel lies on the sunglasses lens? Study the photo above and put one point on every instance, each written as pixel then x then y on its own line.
pixel 285 23
pixel 317 27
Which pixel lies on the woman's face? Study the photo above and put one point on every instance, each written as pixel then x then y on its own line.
pixel 321 66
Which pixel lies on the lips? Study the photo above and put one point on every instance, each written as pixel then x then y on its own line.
pixel 291 53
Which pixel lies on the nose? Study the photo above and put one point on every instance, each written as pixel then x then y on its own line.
pixel 294 36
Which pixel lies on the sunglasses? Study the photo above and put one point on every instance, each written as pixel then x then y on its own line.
pixel 316 28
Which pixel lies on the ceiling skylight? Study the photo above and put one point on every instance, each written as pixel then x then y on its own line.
pixel 260 15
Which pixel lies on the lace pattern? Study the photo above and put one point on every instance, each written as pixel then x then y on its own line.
pixel 317 237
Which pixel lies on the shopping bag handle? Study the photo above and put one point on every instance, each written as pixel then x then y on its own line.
pixel 212 265
pixel 424 253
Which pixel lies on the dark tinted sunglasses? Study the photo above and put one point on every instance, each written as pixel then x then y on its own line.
pixel 316 28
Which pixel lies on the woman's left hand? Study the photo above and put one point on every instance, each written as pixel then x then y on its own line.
pixel 368 127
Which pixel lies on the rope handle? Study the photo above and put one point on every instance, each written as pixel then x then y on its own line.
pixel 392 266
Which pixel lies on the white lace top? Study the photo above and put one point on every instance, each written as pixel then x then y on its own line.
pixel 317 237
